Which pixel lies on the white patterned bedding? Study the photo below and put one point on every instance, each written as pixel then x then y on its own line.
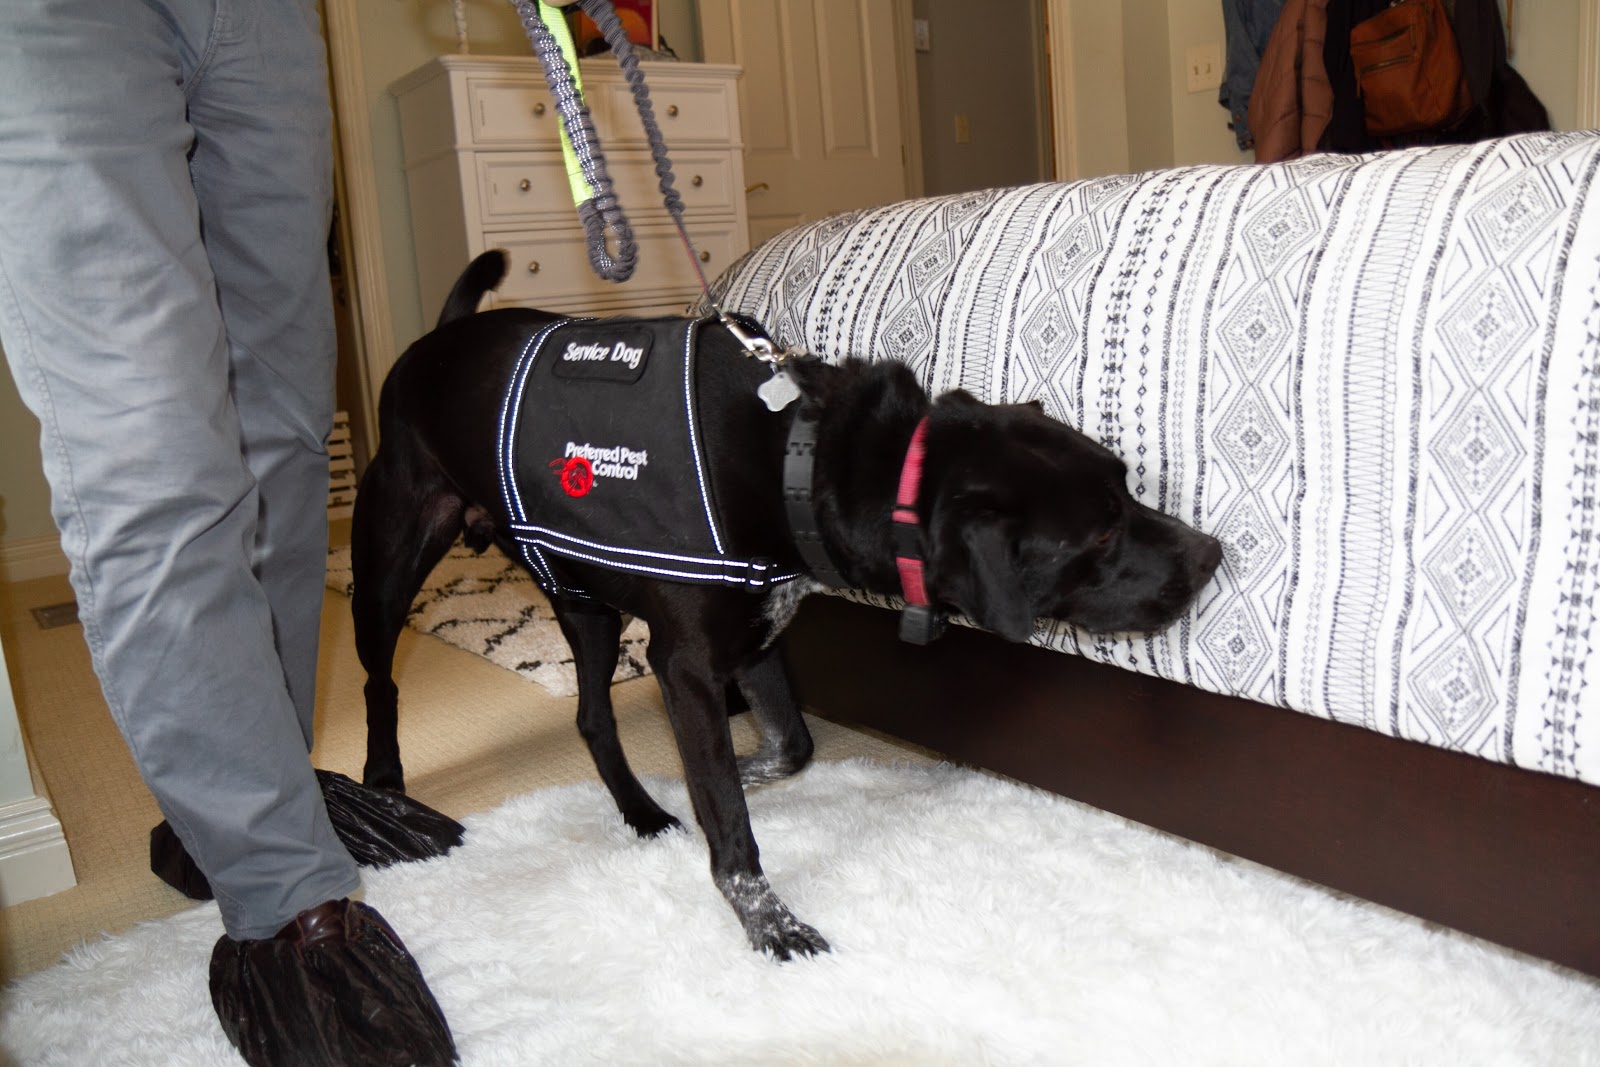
pixel 1376 379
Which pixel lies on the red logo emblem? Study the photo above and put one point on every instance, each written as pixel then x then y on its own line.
pixel 577 476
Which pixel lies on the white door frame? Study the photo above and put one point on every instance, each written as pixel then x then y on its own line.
pixel 1588 114
pixel 370 282
pixel 1064 130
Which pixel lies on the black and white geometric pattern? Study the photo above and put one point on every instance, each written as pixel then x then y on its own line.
pixel 1376 379
pixel 490 606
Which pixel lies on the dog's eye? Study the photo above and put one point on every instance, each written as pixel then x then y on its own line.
pixel 1107 537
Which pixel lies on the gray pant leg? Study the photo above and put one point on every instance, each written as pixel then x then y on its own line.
pixel 263 173
pixel 162 482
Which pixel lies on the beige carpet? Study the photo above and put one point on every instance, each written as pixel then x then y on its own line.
pixel 472 734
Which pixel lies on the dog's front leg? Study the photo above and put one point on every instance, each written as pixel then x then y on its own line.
pixel 786 744
pixel 696 705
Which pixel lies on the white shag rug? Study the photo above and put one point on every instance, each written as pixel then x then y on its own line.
pixel 490 606
pixel 973 921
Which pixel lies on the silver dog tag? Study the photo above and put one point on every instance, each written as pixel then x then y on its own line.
pixel 778 391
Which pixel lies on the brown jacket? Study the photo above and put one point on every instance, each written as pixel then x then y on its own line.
pixel 1292 100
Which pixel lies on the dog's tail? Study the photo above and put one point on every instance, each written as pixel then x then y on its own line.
pixel 481 276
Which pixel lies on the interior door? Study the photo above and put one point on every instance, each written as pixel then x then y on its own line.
pixel 819 101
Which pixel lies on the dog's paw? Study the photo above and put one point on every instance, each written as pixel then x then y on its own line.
pixel 760 768
pixel 791 938
pixel 648 824
pixel 390 778
pixel 769 924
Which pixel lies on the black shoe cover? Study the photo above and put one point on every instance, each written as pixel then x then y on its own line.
pixel 377 826
pixel 335 988
pixel 171 863
pixel 381 827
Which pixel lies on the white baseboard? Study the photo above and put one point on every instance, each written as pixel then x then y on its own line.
pixel 34 861
pixel 31 557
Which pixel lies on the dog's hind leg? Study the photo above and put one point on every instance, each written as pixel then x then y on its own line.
pixel 786 744
pixel 696 699
pixel 595 633
pixel 398 533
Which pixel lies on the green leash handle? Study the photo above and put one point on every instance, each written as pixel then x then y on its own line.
pixel 592 188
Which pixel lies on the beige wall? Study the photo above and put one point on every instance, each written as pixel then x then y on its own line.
pixel 1147 83
pixel 1199 124
pixel 983 64
pixel 1100 104
pixel 1545 52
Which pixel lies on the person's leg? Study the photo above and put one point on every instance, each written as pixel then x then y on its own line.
pixel 110 321
pixel 262 168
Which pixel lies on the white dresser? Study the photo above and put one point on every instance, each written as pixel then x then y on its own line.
pixel 484 170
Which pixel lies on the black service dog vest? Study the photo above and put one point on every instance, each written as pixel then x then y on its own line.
pixel 601 456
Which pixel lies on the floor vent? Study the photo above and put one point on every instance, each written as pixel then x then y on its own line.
pixel 53 615
pixel 341 468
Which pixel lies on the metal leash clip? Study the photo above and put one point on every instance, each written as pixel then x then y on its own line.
pixel 780 390
pixel 760 347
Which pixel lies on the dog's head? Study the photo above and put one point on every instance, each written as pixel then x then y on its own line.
pixel 1028 518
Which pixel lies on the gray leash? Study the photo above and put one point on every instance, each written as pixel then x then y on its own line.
pixel 602 213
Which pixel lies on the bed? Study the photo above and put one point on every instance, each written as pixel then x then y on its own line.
pixel 1377 380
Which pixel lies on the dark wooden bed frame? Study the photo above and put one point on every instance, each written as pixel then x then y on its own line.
pixel 1510 855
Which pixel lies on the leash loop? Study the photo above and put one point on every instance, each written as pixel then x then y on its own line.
pixel 593 191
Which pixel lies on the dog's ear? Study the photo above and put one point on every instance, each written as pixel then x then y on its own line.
pixel 975 567
pixel 960 398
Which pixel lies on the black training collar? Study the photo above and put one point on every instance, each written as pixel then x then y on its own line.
pixel 799 461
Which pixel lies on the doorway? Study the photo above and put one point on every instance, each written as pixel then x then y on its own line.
pixel 983 90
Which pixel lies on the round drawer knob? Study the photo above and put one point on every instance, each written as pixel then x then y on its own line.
pixel 538 109
pixel 672 111
pixel 705 257
pixel 524 185
pixel 533 268
pixel 697 181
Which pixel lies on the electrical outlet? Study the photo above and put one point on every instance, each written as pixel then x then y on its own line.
pixel 1203 66
pixel 920 34
pixel 963 129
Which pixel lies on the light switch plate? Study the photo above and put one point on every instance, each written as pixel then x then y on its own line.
pixel 1203 66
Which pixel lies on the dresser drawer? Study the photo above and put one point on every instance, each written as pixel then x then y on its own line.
pixel 704 181
pixel 518 187
pixel 512 112
pixel 551 271
pixel 521 111
pixel 685 111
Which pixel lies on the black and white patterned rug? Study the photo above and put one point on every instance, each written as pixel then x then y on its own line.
pixel 489 606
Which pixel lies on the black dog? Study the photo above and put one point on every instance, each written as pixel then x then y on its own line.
pixel 1020 517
